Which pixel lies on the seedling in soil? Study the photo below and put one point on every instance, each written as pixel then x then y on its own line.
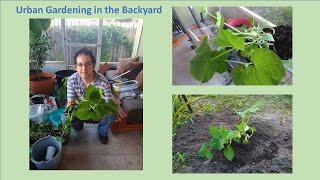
pixel 207 107
pixel 179 160
pixel 257 65
pixel 222 138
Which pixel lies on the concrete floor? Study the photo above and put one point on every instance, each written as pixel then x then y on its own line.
pixel 124 151
pixel 182 54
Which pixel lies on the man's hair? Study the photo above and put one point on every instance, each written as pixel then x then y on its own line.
pixel 87 52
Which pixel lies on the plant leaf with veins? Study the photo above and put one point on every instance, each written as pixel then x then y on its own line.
pixel 267 69
pixel 225 38
pixel 207 62
pixel 228 153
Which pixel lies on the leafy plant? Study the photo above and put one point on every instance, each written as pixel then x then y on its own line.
pixel 180 112
pixel 222 138
pixel 66 126
pixel 207 107
pixel 258 65
pixel 40 44
pixel 179 161
pixel 62 93
pixel 93 106
pixel 38 130
pixel 113 36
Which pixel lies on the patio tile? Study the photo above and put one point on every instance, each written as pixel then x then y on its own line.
pixel 134 162
pixel 85 152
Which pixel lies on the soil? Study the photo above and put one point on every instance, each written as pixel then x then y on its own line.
pixel 38 100
pixel 283 41
pixel 269 149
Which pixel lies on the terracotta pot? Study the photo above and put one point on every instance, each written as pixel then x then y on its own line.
pixel 42 83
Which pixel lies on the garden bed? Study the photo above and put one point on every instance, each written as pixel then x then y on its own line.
pixel 269 149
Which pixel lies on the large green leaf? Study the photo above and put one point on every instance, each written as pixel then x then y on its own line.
pixel 205 152
pixel 217 143
pixel 247 52
pixel 228 153
pixel 83 112
pixel 225 38
pixel 94 107
pixel 207 62
pixel 266 69
pixel 214 131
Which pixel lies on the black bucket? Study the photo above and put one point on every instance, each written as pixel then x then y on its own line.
pixel 61 75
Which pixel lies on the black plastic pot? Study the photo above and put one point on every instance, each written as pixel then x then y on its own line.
pixel 283 41
pixel 62 74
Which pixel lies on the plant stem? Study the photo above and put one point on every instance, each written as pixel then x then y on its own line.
pixel 231 27
pixel 248 43
pixel 246 64
pixel 222 54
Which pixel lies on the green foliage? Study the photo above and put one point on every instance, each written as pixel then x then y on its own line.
pixel 205 152
pixel 180 112
pixel 179 161
pixel 39 51
pixel 267 69
pixel 207 62
pixel 225 38
pixel 62 93
pixel 38 130
pixel 276 15
pixel 222 138
pixel 93 106
pixel 256 107
pixel 36 26
pixel 207 108
pixel 66 126
pixel 39 43
pixel 113 36
pixel 259 65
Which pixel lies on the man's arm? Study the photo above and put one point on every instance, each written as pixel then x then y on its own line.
pixel 71 93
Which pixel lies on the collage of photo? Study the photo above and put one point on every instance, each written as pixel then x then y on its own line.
pixel 86 91
pixel 232 46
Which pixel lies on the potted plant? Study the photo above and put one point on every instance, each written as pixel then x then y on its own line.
pixel 40 46
pixel 38 131
pixel 255 63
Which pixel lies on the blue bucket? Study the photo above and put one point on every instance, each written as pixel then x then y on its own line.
pixel 55 117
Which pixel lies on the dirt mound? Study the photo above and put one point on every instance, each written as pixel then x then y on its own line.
pixel 269 150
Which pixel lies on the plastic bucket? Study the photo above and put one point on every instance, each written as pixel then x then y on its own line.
pixel 39 152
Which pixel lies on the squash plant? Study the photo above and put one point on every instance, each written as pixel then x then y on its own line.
pixel 259 65
pixel 222 138
pixel 93 106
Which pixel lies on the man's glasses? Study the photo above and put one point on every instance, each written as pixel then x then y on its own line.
pixel 84 64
